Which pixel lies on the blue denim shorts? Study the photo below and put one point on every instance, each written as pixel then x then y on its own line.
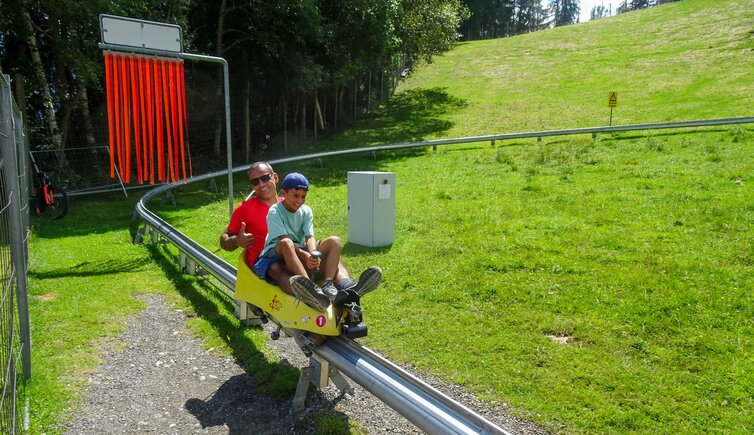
pixel 263 264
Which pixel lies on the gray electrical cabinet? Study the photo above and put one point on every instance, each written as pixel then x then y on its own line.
pixel 371 208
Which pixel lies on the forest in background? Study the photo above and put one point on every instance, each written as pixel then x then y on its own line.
pixel 299 68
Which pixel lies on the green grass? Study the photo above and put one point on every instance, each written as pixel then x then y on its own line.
pixel 635 248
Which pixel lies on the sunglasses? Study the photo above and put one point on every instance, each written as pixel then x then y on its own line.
pixel 263 179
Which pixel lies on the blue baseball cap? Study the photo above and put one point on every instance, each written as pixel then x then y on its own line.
pixel 294 180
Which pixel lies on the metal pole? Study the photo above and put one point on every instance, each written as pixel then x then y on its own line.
pixel 226 89
pixel 229 150
pixel 17 230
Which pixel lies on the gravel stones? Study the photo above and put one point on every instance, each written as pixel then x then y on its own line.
pixel 156 378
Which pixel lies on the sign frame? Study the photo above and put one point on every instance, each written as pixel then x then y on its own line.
pixel 135 33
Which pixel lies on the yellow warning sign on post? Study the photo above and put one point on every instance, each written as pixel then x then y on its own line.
pixel 612 100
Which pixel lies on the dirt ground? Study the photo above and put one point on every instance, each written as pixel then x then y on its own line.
pixel 156 378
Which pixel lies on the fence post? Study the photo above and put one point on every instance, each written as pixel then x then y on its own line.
pixel 12 154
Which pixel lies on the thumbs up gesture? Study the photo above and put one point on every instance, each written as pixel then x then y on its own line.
pixel 244 239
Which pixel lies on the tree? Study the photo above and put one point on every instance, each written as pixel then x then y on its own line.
pixel 530 16
pixel 564 12
pixel 428 27
pixel 599 11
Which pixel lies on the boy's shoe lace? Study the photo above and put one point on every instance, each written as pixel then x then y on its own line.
pixel 309 292
pixel 368 281
pixel 328 288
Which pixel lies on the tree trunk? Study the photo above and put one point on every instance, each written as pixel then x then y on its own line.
pixel 219 90
pixel 303 120
pixel 285 125
pixel 323 113
pixel 354 99
pixel 318 113
pixel 382 85
pixel 369 93
pixel 335 109
pixel 296 131
pixel 39 72
pixel 314 114
pixel 85 114
pixel 247 122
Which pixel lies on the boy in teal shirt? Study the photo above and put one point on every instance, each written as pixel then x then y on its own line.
pixel 290 238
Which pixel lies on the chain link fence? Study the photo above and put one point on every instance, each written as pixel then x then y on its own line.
pixel 15 340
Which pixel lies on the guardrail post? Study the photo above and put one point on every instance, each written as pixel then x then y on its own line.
pixel 319 373
pixel 299 399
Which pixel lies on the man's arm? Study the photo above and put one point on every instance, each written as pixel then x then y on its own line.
pixel 230 241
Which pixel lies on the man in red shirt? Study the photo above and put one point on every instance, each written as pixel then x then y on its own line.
pixel 248 230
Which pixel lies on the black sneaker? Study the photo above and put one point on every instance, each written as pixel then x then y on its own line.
pixel 328 288
pixel 309 292
pixel 368 281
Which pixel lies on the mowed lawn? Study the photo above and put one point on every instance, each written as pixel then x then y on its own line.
pixel 590 285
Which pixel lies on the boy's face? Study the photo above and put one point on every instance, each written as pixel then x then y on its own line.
pixel 293 199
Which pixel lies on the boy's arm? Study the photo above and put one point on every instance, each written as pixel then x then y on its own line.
pixel 311 245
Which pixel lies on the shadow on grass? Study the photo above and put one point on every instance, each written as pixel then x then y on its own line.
pixel 354 250
pixel 276 379
pixel 94 268
pixel 407 117
pixel 86 216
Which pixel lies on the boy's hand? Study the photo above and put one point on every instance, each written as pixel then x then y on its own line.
pixel 312 262
pixel 244 239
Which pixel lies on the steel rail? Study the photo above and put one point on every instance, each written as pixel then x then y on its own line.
pixel 424 406
pixel 427 408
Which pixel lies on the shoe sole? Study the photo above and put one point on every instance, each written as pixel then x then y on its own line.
pixel 368 281
pixel 305 290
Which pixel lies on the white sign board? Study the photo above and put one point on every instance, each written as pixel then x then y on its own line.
pixel 131 32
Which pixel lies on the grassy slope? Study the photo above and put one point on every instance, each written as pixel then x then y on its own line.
pixel 681 61
pixel 638 245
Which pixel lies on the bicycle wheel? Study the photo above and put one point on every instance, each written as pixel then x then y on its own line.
pixel 55 206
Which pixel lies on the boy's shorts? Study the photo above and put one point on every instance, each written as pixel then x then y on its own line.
pixel 262 264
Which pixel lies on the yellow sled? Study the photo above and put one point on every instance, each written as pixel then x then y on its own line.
pixel 289 312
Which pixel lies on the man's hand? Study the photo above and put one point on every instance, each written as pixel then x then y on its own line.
pixel 243 239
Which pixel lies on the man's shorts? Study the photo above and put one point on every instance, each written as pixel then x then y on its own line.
pixel 263 264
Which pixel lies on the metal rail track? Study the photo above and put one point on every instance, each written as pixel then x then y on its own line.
pixel 427 408
pixel 423 405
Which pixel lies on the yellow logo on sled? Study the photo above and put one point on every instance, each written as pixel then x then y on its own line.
pixel 286 309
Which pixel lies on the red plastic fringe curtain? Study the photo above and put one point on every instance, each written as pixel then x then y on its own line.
pixel 146 111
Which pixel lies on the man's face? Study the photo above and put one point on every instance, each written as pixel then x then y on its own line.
pixel 293 199
pixel 263 181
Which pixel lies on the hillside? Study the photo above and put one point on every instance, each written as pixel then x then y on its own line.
pixel 680 61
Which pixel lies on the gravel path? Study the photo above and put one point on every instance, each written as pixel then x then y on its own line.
pixel 156 378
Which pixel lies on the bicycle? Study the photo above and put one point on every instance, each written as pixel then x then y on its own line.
pixel 49 201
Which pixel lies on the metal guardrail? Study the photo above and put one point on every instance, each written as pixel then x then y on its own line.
pixel 421 404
